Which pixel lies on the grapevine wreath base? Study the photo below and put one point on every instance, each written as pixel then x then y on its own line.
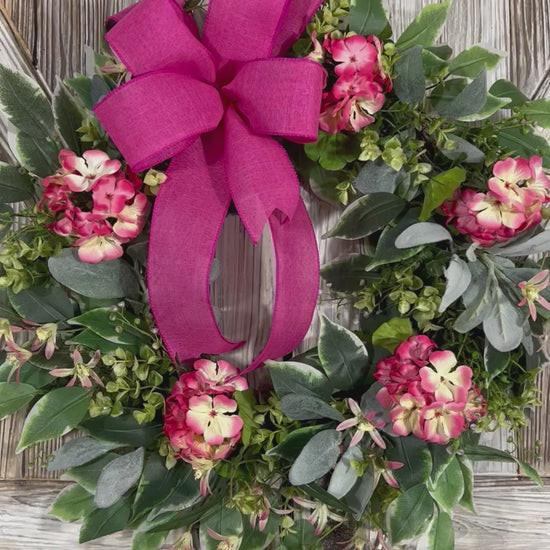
pixel 367 440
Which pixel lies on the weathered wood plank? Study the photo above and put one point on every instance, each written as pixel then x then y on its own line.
pixel 514 518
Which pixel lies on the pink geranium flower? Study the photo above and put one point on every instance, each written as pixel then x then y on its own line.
pixel 443 380
pixel 131 218
pixel 83 172
pixel 354 54
pixel 530 290
pixel 110 195
pixel 220 377
pixel 406 415
pixel 209 417
pixel 98 248
pixel 442 422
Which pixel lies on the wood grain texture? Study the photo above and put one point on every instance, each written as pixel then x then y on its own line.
pixel 515 518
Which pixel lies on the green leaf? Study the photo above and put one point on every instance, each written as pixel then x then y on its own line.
pixel 458 277
pixel 14 396
pixel 440 188
pixel 90 339
pixel 482 452
pixel 377 177
pixel 344 476
pixel 367 17
pixel 442 455
pixel 495 361
pixel 29 374
pixel 14 186
pixel 246 410
pixel 343 356
pixel 148 541
pixel 434 66
pixel 504 88
pixel 158 483
pixel 503 326
pixel 316 492
pixel 291 446
pixel 467 500
pixel 416 458
pixel 72 503
pixel 37 155
pixel 535 245
pixel 99 321
pixel 409 83
pixel 25 104
pixel 290 377
pixel 105 521
pixel 361 493
pixel 422 233
pixel 409 513
pixel 88 474
pixel 122 429
pixel 186 493
pixel 68 118
pixel 524 143
pixel 53 415
pixel 333 151
pixel 82 86
pixel 537 111
pixel 118 477
pixel 425 28
pixel 392 333
pixel 308 407
pixel 302 537
pixel 386 252
pixel 457 98
pixel 79 451
pixel 472 61
pixel 42 305
pixel 367 215
pixel 105 280
pixel 477 300
pixel 441 535
pixel 492 105
pixel 253 539
pixel 226 522
pixel 463 150
pixel 449 488
pixel 317 458
pixel 349 274
pixel 6 212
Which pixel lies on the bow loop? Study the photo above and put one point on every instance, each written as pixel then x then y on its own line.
pixel 158 35
pixel 279 97
pixel 168 111
pixel 270 27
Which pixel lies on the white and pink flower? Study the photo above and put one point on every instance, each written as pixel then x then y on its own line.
pixel 111 209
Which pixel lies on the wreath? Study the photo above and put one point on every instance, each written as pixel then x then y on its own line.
pixel 368 439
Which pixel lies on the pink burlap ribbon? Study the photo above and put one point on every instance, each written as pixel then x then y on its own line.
pixel 212 103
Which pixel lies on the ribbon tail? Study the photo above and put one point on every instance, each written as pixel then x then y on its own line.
pixel 296 284
pixel 181 249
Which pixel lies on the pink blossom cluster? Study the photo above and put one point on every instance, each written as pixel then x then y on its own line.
pixel 360 85
pixel 95 203
pixel 198 421
pixel 517 193
pixel 428 395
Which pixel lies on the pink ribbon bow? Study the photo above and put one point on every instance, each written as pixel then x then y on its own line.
pixel 212 104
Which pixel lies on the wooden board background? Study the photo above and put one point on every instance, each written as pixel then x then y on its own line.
pixel 46 39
